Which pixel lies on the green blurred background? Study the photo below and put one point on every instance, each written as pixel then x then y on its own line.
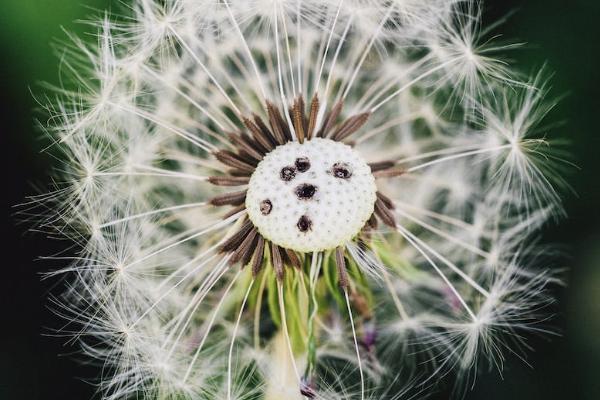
pixel 565 34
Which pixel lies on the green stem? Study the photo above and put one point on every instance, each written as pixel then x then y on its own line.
pixel 313 308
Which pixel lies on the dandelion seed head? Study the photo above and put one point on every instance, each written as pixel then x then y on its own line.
pixel 290 199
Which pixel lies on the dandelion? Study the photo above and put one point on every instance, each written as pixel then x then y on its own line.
pixel 299 199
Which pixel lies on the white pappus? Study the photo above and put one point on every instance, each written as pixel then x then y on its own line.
pixel 408 243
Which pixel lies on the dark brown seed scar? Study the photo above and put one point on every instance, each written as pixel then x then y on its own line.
pixel 306 191
pixel 302 164
pixel 265 207
pixel 288 173
pixel 341 170
pixel 304 224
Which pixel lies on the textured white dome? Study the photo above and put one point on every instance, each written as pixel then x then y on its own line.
pixel 312 196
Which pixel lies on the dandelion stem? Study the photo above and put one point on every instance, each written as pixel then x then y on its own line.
pixel 315 266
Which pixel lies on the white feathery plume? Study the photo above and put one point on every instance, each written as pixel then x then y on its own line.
pixel 165 123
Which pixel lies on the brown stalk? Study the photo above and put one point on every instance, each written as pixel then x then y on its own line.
pixel 259 254
pixel 232 199
pixel 234 211
pixel 244 145
pixel 244 246
pixel 381 165
pixel 237 238
pixel 259 135
pixel 389 173
pixel 384 213
pixel 293 258
pixel 312 117
pixel 386 200
pixel 247 257
pixel 233 160
pixel 372 222
pixel 265 130
pixel 331 119
pixel 350 126
pixel 277 261
pixel 298 118
pixel 278 125
pixel 340 262
pixel 229 180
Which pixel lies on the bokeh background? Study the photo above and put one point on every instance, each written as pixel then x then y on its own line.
pixel 563 34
